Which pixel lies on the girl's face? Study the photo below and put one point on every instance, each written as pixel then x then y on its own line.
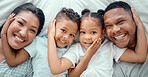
pixel 65 32
pixel 22 30
pixel 90 30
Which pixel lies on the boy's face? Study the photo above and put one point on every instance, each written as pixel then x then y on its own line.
pixel 23 29
pixel 120 27
pixel 65 32
pixel 89 31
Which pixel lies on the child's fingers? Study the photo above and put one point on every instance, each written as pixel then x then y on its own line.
pixel 96 43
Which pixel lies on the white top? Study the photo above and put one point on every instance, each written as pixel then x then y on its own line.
pixel 101 64
pixel 38 50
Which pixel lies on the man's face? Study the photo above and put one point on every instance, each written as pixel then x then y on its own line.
pixel 120 27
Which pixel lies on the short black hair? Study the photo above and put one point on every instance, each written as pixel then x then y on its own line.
pixel 119 4
pixel 68 14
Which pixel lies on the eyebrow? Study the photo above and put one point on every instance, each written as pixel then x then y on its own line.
pixel 120 18
pixel 24 20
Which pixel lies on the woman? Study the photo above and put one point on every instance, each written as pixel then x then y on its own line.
pixel 21 27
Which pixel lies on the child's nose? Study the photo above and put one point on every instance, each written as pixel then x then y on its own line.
pixel 87 37
pixel 65 36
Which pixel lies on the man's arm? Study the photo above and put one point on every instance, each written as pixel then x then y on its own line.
pixel 139 54
pixel 12 58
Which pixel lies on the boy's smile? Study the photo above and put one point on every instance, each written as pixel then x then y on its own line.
pixel 65 32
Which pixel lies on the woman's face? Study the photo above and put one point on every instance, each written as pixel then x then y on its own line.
pixel 22 30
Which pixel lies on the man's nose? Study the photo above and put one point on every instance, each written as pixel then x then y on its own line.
pixel 115 28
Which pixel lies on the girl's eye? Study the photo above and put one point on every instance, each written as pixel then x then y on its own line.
pixel 81 32
pixel 72 35
pixel 20 23
pixel 63 30
pixel 93 32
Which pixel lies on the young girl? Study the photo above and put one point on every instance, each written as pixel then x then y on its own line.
pixel 88 60
pixel 25 22
pixel 67 23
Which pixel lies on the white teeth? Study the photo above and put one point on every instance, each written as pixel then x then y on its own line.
pixel 18 38
pixel 63 41
pixel 119 37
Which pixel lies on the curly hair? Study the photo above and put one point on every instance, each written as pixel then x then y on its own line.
pixel 68 14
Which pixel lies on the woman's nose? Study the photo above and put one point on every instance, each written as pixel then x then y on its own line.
pixel 23 32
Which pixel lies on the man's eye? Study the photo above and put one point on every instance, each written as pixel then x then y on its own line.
pixel 120 22
pixel 108 26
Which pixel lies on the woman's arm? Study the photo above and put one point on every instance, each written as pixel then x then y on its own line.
pixel 56 64
pixel 12 58
pixel 140 53
pixel 77 71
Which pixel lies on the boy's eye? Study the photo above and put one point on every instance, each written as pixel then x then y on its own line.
pixel 63 30
pixel 72 35
pixel 93 32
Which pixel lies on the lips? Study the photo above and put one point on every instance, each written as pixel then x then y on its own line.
pixel 19 39
pixel 120 37
pixel 87 44
pixel 62 41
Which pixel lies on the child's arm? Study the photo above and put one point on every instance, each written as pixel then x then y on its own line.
pixel 56 64
pixel 77 71
pixel 12 58
pixel 140 53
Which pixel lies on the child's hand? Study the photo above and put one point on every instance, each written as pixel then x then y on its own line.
pixel 93 48
pixel 6 25
pixel 136 17
pixel 51 28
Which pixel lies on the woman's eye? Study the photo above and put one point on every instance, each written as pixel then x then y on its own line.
pixel 32 30
pixel 20 23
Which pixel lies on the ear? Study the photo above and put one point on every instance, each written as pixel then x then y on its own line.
pixel 103 33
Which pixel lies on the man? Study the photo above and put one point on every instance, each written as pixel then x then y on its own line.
pixel 121 29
